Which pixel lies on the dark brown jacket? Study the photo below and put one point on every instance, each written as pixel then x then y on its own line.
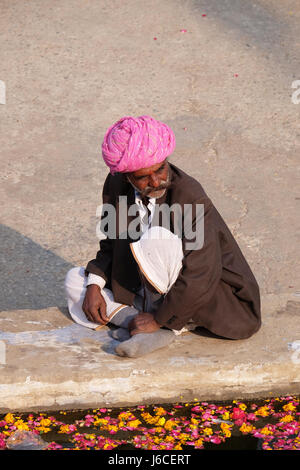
pixel 215 287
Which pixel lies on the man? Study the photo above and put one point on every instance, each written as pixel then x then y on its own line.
pixel 214 287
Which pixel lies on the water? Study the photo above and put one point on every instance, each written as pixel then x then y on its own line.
pixel 238 425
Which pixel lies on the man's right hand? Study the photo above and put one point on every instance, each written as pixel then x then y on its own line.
pixel 94 305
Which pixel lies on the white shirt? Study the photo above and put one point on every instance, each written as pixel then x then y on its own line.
pixel 98 280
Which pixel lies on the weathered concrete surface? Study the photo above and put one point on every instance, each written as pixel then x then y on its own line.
pixel 72 68
pixel 51 362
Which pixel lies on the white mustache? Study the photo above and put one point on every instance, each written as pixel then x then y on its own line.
pixel 165 184
pixel 155 190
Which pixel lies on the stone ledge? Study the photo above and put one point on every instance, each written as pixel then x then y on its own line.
pixel 52 363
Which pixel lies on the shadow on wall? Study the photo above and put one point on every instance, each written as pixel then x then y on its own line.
pixel 31 276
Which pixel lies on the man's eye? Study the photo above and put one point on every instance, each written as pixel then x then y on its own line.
pixel 161 168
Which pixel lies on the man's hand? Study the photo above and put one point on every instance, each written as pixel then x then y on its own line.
pixel 94 305
pixel 143 322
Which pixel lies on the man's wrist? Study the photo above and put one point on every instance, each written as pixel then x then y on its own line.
pixel 94 279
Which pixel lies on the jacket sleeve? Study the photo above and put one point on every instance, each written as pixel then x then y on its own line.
pixel 102 264
pixel 199 276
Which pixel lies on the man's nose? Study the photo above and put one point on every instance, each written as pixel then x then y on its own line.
pixel 154 181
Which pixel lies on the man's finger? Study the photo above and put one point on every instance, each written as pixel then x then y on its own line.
pixel 97 317
pixel 103 307
pixel 87 314
pixel 102 311
pixel 132 325
pixel 136 331
pixel 140 323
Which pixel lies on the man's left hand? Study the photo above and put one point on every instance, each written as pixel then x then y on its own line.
pixel 143 322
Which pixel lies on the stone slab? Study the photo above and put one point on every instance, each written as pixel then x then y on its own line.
pixel 52 363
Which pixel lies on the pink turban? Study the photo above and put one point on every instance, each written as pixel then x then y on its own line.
pixel 135 143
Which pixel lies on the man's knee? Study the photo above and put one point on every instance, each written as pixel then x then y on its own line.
pixel 245 330
pixel 251 329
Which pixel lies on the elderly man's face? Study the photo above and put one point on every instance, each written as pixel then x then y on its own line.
pixel 152 181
